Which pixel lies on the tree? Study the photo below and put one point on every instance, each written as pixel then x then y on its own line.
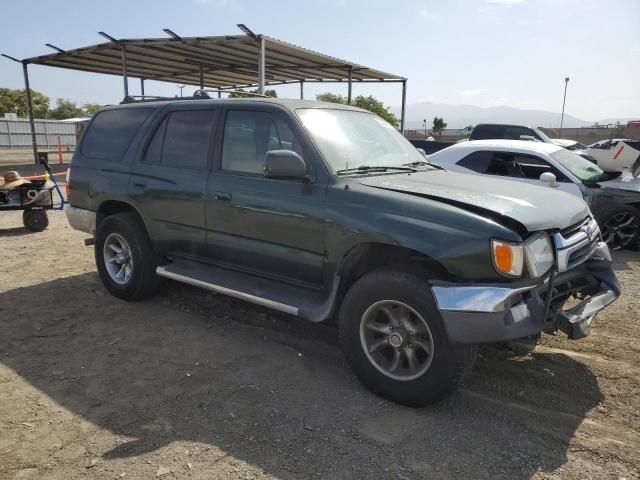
pixel 242 93
pixel 438 126
pixel 90 108
pixel 367 103
pixel 331 97
pixel 15 101
pixel 65 109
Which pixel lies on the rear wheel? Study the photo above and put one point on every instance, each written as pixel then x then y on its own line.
pixel 620 226
pixel 395 342
pixel 35 220
pixel 125 260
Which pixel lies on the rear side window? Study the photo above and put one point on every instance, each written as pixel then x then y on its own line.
pixel 182 140
pixel 111 133
pixel 477 161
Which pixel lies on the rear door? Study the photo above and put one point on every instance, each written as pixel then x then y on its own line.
pixel 270 226
pixel 169 179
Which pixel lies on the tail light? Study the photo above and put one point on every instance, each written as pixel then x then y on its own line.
pixel 67 183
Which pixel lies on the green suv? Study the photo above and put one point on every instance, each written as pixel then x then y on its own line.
pixel 321 210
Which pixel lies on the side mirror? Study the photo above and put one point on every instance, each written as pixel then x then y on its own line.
pixel 549 178
pixel 528 138
pixel 285 164
pixel 422 152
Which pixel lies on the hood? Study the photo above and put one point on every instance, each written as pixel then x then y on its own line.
pixel 626 181
pixel 535 207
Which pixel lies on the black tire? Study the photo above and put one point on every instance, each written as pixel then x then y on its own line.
pixel 143 280
pixel 450 363
pixel 35 220
pixel 609 219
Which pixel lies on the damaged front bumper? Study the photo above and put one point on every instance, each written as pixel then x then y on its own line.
pixel 491 313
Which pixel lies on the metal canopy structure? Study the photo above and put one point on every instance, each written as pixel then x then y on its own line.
pixel 222 63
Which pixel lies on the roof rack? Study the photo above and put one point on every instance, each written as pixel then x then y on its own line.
pixel 243 92
pixel 197 95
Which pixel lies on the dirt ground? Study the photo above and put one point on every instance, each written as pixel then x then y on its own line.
pixel 194 385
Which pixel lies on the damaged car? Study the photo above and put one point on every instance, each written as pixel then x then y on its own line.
pixel 325 211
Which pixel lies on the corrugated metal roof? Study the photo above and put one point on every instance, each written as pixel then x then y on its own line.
pixel 226 61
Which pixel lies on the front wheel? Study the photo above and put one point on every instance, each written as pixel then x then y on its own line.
pixel 620 226
pixel 393 337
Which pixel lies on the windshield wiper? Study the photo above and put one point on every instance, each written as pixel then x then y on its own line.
pixel 423 163
pixel 376 168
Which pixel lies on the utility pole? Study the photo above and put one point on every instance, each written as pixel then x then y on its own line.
pixel 564 99
pixel 180 87
pixel 424 124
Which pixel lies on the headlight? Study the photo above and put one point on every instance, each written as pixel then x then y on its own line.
pixel 538 252
pixel 508 258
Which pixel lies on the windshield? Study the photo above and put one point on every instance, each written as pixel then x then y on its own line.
pixel 576 146
pixel 351 139
pixel 542 135
pixel 578 166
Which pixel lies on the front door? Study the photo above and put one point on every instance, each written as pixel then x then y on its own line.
pixel 269 226
pixel 169 179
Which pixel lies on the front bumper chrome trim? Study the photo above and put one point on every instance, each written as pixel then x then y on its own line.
pixel 481 298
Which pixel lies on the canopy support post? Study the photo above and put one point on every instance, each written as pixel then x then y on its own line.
pixel 301 89
pixel 142 87
pixel 261 65
pixel 32 125
pixel 350 85
pixel 124 71
pixel 404 105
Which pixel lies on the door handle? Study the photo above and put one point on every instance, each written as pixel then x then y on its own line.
pixel 139 184
pixel 224 196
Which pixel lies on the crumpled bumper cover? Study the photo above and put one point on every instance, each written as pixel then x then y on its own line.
pixel 492 313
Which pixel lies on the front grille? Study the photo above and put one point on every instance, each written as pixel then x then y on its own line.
pixel 573 229
pixel 576 243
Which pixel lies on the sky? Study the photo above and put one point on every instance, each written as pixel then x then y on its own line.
pixel 480 52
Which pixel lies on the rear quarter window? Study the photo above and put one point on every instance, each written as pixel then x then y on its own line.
pixel 111 132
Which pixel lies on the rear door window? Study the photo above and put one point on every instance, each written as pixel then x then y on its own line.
pixel 182 140
pixel 111 132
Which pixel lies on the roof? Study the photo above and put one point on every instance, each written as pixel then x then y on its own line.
pixel 226 61
pixel 519 146
pixel 291 104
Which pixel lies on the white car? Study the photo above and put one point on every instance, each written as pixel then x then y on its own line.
pixel 569 144
pixel 614 197
pixel 616 154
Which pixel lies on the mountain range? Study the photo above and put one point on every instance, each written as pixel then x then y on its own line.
pixel 459 116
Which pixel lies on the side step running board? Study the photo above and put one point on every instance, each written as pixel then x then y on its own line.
pixel 290 299
pixel 163 272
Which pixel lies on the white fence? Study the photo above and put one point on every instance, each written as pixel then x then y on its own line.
pixel 16 133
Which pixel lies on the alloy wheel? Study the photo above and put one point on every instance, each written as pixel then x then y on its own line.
pixel 117 258
pixel 396 340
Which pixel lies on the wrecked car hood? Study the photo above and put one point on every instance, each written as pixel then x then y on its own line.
pixel 535 207
pixel 626 181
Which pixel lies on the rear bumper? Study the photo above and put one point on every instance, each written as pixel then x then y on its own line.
pixel 81 219
pixel 492 313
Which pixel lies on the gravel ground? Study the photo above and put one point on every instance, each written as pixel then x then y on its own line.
pixel 194 385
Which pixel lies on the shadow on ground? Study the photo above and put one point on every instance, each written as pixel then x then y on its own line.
pixel 14 232
pixel 277 393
